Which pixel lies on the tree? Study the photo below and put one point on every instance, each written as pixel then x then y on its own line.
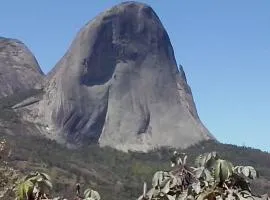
pixel 211 178
pixel 34 186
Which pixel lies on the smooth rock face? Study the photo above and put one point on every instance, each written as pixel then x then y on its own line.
pixel 19 69
pixel 119 85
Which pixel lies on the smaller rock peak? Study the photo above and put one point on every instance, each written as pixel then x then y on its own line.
pixel 19 69
pixel 17 54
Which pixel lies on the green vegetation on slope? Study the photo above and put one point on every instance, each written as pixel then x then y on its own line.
pixel 115 174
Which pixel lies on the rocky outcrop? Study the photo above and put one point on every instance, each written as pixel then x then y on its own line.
pixel 119 85
pixel 19 69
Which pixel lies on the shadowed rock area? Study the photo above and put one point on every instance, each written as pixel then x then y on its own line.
pixel 19 69
pixel 119 85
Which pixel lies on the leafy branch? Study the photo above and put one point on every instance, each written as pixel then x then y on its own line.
pixel 210 178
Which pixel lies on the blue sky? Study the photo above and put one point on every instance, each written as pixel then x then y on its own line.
pixel 224 47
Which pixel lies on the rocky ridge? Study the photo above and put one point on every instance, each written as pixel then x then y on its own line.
pixel 118 85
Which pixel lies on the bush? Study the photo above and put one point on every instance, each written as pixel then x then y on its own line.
pixel 211 178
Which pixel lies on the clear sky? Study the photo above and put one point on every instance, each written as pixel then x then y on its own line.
pixel 224 47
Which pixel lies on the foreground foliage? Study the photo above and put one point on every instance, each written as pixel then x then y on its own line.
pixel 211 178
pixel 114 174
pixel 34 186
pixel 37 186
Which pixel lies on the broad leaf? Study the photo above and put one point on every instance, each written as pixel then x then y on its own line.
pixel 223 170
pixel 246 171
pixel 89 193
pixel 159 178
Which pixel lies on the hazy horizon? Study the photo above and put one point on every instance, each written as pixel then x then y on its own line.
pixel 223 47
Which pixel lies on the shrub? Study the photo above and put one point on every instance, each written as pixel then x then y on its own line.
pixel 211 178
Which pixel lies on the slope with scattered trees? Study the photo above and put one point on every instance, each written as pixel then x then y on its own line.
pixel 115 174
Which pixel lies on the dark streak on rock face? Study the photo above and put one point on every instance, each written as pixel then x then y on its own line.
pixel 99 66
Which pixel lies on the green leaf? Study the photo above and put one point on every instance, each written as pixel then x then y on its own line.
pixel 223 170
pixel 24 190
pixel 182 196
pixel 190 197
pixel 166 187
pixel 150 193
pixel 156 192
pixel 174 158
pixel 209 194
pixel 265 197
pixel 170 197
pixel 252 172
pixel 89 193
pixel 243 195
pixel 185 160
pixel 203 173
pixel 246 171
pixel 45 176
pixel 203 159
pixel 95 195
pixel 198 172
pixel 31 176
pixel 173 181
pixel 196 187
pixel 159 178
